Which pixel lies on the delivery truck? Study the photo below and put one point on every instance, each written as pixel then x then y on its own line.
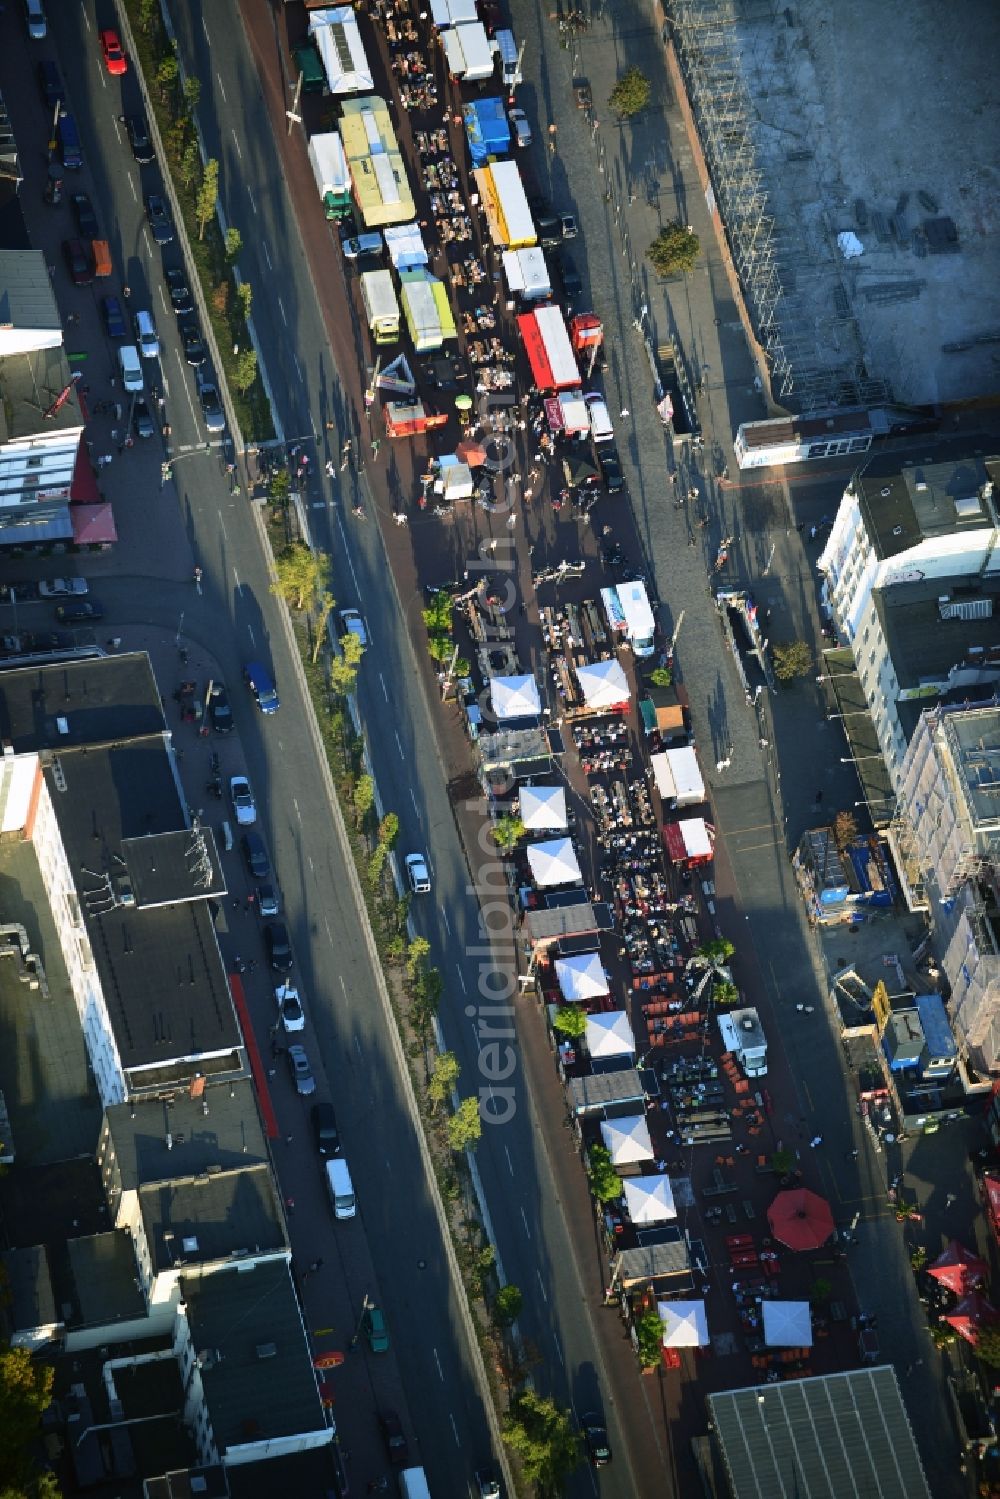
pixel 381 307
pixel 329 165
pixel 628 612
pixel 743 1035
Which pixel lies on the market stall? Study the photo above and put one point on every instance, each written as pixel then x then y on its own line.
pixel 582 976
pixel 550 353
pixel 678 777
pixel 604 686
pixel 405 244
pixel 513 698
pixel 543 807
pixel 338 42
pixel 690 841
pixel 554 863
pixel 958 1269
pixel 685 1324
pixel 609 1036
pixel 649 1200
pixel 787 1324
pixel 526 274
pixel 487 129
pixel 503 199
pixel 627 1140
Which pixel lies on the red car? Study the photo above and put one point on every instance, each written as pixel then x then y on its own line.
pixel 114 58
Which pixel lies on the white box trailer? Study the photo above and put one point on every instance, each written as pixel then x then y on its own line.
pixel 743 1035
pixel 468 52
pixel 329 167
pixel 505 205
pixel 629 613
pixel 381 307
pixel 527 274
pixel 334 29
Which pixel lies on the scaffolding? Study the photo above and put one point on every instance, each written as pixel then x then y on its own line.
pixel 792 281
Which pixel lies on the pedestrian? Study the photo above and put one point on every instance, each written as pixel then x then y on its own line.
pixel 950 1199
pixel 126 292
pixel 819 797
pixel 236 903
pixel 331 468
pixel 274 1050
pixel 852 1155
pixel 801 526
pixel 812 533
pixel 625 411
pixel 512 520
pixel 815 1142
pixel 288 1139
pixel 330 426
pixel 316 1265
pixel 251 898
pixel 290 1204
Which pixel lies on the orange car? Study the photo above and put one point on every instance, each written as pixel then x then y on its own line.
pixel 114 58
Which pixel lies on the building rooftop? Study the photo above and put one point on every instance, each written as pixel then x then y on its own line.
pixel 27 300
pixel 974 740
pixel 909 497
pixel 72 703
pixel 162 975
pixel 256 1368
pixel 827 1436
pixel 105 1279
pixel 191 1483
pixel 30 384
pixel 927 637
pixel 162 1139
pixel 28 1301
pixel 199 1219
pixel 169 867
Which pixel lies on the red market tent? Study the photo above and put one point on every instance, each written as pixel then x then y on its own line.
pixel 991 1197
pixel 800 1219
pixel 972 1313
pixel 958 1269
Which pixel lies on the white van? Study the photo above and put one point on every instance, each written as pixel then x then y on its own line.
pixel 340 1188
pixel 130 366
pixel 413 1484
pixel 601 429
pixel 147 336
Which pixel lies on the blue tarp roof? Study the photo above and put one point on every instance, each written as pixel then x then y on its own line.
pixel 487 128
pixel 934 1019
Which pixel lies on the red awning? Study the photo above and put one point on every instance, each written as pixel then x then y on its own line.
pixel 534 346
pixel 800 1219
pixel 93 525
pixel 972 1313
pixel 674 840
pixel 991 1192
pixel 958 1269
pixel 83 488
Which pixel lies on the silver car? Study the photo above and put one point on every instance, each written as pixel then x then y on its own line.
pixel 301 1071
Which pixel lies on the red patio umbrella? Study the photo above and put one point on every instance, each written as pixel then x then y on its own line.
pixel 958 1269
pixel 972 1313
pixel 800 1219
pixel 472 453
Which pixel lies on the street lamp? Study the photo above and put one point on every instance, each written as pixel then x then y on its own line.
pixel 856 759
pixel 853 713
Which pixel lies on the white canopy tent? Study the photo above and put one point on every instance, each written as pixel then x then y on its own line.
pixel 405 244
pixel 787 1324
pixel 543 807
pixel 455 480
pixel 574 412
pixel 338 40
pixel 514 697
pixel 685 1324
pixel 582 976
pixel 697 838
pixel 603 684
pixel 610 1035
pixel 678 778
pixel 554 863
pixel 649 1199
pixel 453 12
pixel 627 1140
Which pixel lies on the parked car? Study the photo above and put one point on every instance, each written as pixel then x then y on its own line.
pixel 261 684
pixel 519 127
pixel 568 225
pixel 138 138
pixel 193 343
pixel 418 874
pixel 351 623
pixel 302 1073
pixel 158 215
pixel 146 337
pixel 375 1329
pixel 83 213
pixel 181 299
pixel 568 275
pixel 394 1438
pixel 63 588
pixel 488 1485
pixel 79 612
pixel 142 419
pixel 111 49
pixel 50 84
pixel 611 471
pixel 268 900
pixel 34 16
pixel 290 1011
pixel 595 1435
pixel 255 856
pixel 220 714
pixel 241 797
pixel 78 262
pixel 114 318
pixel 324 1128
pixel 211 407
pixel 279 949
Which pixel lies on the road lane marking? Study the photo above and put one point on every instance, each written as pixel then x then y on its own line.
pixel 559 1350
pixel 236 143
pixel 222 528
pixel 311 864
pixel 347 553
pixel 295 804
pixel 253 638
pixel 267 257
pixel 413 799
pixel 438 1362
pixel 541 1286
pixel 87 19
pixel 253 200
pixel 385 690
pixel 454 1428
pixel 163 299
pixel 399 743
pixel 510 1163
pixel 461 979
pixel 357 1048
pixel 204 27
pixel 447 923
pixel 135 195
pixel 524 1220
pixel 222 87
pixel 298 367
pixel 284 314
pixel 326 923
pixel 342 984
pixel 187 393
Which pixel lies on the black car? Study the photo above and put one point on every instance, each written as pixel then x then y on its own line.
pixel 596 1437
pixel 79 612
pixel 324 1128
pixel 279 949
pixel 569 275
pixel 255 856
pixel 180 293
pixel 549 231
pixel 219 712
pixel 394 1438
pixel 142 420
pixel 194 346
pixel 86 218
pixel 78 262
pixel 114 318
pixel 611 471
pixel 138 139
pixel 51 85
pixel 159 219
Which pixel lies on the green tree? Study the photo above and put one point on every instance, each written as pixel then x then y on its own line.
pixel 507 832
pixel 462 666
pixel 605 1183
pixel 661 676
pixel 324 609
pixel 845 829
pixel 465 1127
pixel 234 244
pixel 570 1020
pixel 192 93
pixel 245 372
pixel 189 164
pixel 149 11
pixel 792 658
pixel 820 1290
pixel 425 1001
pixel 437 615
pixel 364 797
pixel 987 1343
pixel 630 94
pixel 441 647
pixel 782 1162
pixel 649 1335
pixel 716 953
pixel 676 248
pixel 207 196
pixel 507 1305
pixel 388 830
pixel 545 1441
pixel 25 1394
pixel 344 667
pixel 444 1079
pixel 166 78
pixel 918 1258
pixel 280 487
pixel 416 956
pixel 245 293
pixel 725 993
pixel 301 578
pixel 376 864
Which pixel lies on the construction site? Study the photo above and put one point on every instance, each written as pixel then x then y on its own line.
pixel 852 149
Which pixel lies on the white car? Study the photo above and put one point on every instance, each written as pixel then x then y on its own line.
pixel 418 874
pixel 63 588
pixel 351 623
pixel 290 1008
pixel 243 803
pixel 520 127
